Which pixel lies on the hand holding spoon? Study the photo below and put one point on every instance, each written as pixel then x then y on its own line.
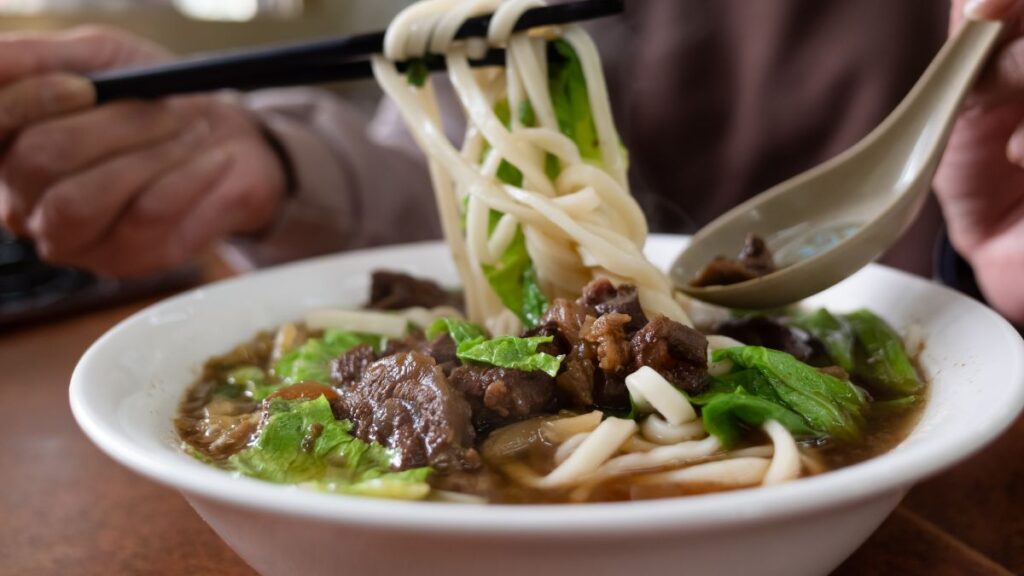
pixel 843 214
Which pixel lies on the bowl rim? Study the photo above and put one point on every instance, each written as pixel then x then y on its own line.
pixel 889 472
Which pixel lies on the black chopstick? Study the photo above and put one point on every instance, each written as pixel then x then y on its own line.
pixel 322 73
pixel 317 59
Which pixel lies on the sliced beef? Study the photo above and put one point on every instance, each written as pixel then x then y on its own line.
pixel 763 331
pixel 677 352
pixel 500 396
pixel 753 261
pixel 405 402
pixel 604 298
pixel 395 291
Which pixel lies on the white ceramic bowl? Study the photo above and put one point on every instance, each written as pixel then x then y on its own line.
pixel 126 388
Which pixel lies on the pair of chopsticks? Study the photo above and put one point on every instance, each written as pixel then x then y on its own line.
pixel 321 61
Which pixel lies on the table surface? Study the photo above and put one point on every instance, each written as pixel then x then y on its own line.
pixel 65 508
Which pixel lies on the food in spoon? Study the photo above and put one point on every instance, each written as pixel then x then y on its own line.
pixel 753 261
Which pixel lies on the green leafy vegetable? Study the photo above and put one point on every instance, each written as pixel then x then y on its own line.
pixel 881 359
pixel 833 332
pixel 311 361
pixel 511 352
pixel 417 72
pixel 302 442
pixel 471 344
pixel 460 330
pixel 242 380
pixel 514 280
pixel 568 87
pixel 508 173
pixel 279 454
pixel 826 403
pixel 726 415
pixel 895 406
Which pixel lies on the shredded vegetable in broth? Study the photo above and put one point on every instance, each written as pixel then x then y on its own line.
pixel 567 370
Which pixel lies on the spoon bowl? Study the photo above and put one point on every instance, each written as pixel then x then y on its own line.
pixel 870 194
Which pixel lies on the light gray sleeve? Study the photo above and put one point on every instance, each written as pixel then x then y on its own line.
pixel 355 183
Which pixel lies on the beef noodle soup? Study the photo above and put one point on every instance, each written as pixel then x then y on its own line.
pixel 596 402
pixel 567 370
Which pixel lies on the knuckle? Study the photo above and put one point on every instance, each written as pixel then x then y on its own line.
pixel 1012 63
pixel 147 215
pixel 38 155
pixel 103 40
pixel 173 254
pixel 64 207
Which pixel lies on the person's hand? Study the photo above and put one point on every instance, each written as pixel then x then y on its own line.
pixel 129 188
pixel 980 182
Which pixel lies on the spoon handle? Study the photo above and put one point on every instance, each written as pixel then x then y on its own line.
pixel 922 122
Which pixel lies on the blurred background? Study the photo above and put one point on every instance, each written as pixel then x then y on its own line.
pixel 32 291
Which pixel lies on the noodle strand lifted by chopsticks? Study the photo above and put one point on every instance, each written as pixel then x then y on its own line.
pixel 579 223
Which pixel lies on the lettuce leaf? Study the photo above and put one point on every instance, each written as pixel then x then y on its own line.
pixel 881 360
pixel 568 87
pixel 460 330
pixel 833 332
pixel 827 404
pixel 727 415
pixel 511 352
pixel 302 442
pixel 278 455
pixel 472 344
pixel 514 280
pixel 311 361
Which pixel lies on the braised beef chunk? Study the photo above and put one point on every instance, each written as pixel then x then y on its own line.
pixel 677 352
pixel 483 482
pixel 500 396
pixel 405 403
pixel 608 335
pixel 604 298
pixel 395 291
pixel 763 331
pixel 753 261
pixel 565 318
pixel 347 369
pixel 563 321
pixel 610 393
pixel 835 372
pixel 756 256
pixel 442 350
pixel 558 345
pixel 575 381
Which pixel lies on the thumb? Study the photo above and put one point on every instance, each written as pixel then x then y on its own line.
pixel 986 9
pixel 37 98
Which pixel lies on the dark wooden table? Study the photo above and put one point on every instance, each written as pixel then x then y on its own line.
pixel 66 509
